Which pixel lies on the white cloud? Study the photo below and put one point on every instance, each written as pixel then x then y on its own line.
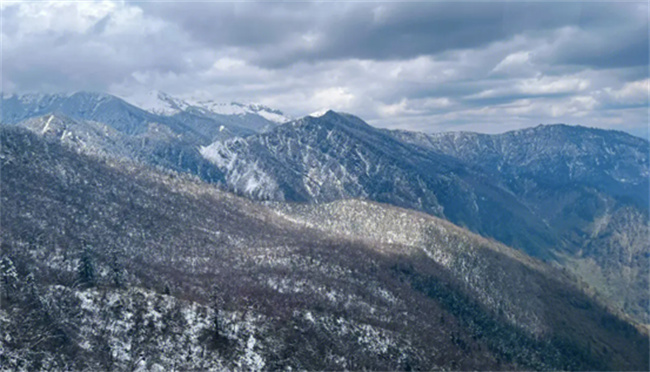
pixel 37 18
pixel 395 109
pixel 408 107
pixel 335 98
pixel 228 64
pixel 578 106
pixel 518 63
pixel 542 85
pixel 635 92
pixel 552 85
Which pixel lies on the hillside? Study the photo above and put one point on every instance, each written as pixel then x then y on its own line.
pixel 111 265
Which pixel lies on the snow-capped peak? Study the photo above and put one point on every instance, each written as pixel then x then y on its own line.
pixel 159 103
pixel 319 113
pixel 236 108
pixel 273 115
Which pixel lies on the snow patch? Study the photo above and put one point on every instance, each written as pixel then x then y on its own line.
pixel 319 113
pixel 47 124
pixel 274 117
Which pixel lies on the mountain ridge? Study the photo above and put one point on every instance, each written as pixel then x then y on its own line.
pixel 199 124
pixel 157 147
pixel 542 190
pixel 165 104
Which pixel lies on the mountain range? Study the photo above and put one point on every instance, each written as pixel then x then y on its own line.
pixel 247 242
pixel 571 195
pixel 199 122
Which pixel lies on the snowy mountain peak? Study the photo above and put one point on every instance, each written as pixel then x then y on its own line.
pixel 241 109
pixel 330 114
pixel 161 103
pixel 319 113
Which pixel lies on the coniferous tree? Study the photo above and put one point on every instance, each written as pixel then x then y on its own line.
pixel 86 269
pixel 117 271
pixel 9 277
pixel 32 294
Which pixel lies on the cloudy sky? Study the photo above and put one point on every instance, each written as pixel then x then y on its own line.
pixel 482 66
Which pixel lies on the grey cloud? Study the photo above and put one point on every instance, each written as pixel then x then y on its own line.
pixel 100 26
pixel 623 49
pixel 234 24
pixel 269 32
pixel 411 65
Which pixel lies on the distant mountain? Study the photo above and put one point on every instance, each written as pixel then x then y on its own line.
pixel 162 103
pixel 612 162
pixel 112 266
pixel 551 191
pixel 591 186
pixel 158 146
pixel 98 107
pixel 236 118
pixel 107 126
pixel 201 123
